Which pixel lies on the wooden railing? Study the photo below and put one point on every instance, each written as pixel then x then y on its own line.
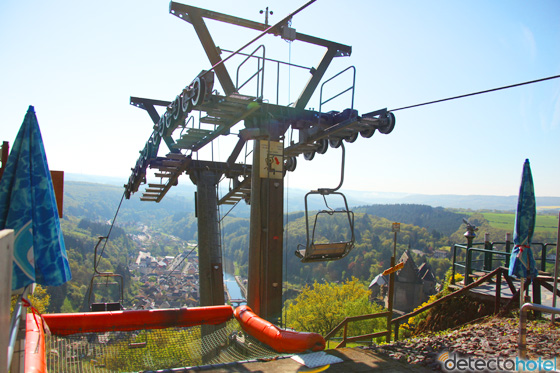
pixel 497 273
pixel 347 320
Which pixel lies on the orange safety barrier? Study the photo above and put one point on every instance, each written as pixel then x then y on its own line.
pixel 35 361
pixel 280 340
pixel 86 322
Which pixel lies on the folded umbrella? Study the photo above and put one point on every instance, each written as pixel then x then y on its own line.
pixel 28 206
pixel 522 263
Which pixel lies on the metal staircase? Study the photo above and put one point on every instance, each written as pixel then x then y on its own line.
pixel 240 192
pixel 223 112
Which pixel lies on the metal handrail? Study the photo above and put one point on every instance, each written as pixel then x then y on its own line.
pixel 17 315
pixel 14 328
pixel 260 70
pixel 278 63
pixel 522 345
pixel 543 253
pixel 489 256
pixel 352 88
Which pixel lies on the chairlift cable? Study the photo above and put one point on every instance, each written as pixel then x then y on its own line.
pixel 182 260
pixel 110 229
pixel 220 230
pixel 230 210
pixel 289 72
pixel 478 93
pixel 287 235
pixel 263 33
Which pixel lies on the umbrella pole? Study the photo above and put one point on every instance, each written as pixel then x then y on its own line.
pixel 521 292
pixel 556 268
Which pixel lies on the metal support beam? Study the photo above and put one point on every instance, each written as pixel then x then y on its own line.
pixel 148 105
pixel 180 10
pixel 211 275
pixel 266 243
pixel 235 153
pixel 316 76
pixel 195 18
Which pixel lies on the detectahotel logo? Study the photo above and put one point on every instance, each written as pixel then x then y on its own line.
pixel 455 363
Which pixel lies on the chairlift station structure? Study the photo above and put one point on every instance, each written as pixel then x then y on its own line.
pixel 260 183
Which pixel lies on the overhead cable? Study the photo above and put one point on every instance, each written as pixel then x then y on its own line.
pixel 110 229
pixel 478 93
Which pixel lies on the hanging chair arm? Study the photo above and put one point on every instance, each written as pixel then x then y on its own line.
pixel 95 260
pixel 327 191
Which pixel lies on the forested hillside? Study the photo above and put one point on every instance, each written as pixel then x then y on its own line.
pixel 371 255
pixel 438 220
pixel 90 208
pixel 88 212
pixel 80 237
pixel 100 202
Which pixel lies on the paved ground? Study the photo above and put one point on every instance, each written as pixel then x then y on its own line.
pixel 354 360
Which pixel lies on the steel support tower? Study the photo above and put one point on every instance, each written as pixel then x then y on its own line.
pixel 265 124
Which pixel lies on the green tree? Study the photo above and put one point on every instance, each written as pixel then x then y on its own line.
pixel 322 307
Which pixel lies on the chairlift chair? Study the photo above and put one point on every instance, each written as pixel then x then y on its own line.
pixel 105 306
pixel 139 344
pixel 313 251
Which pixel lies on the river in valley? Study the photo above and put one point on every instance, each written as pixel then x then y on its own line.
pixel 232 286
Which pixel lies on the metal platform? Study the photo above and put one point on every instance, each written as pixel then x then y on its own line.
pixel 223 112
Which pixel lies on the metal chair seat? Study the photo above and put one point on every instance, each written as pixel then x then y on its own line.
pixel 324 251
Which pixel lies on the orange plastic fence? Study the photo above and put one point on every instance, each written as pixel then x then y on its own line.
pixel 71 323
pixel 284 341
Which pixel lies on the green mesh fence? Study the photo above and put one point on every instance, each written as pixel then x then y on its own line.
pixel 153 349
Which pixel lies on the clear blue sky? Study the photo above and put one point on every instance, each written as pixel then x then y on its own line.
pixel 79 62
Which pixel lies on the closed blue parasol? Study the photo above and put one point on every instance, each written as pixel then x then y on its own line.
pixel 28 206
pixel 522 264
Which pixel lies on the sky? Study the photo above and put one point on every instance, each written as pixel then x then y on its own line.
pixel 78 63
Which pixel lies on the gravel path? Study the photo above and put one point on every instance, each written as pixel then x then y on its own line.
pixel 492 338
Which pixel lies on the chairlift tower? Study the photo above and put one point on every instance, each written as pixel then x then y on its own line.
pixel 265 124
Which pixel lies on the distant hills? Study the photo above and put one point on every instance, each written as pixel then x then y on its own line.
pixel 355 198
pixel 473 202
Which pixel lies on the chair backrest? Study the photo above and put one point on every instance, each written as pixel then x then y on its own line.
pixel 322 251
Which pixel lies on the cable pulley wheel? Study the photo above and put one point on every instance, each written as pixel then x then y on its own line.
pixel 309 155
pixel 186 104
pixel 290 164
pixel 168 116
pixel 335 143
pixel 323 146
pixel 388 127
pixel 199 88
pixel 176 108
pixel 162 124
pixel 351 138
pixel 367 133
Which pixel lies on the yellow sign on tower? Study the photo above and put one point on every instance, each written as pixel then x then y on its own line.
pixel 272 159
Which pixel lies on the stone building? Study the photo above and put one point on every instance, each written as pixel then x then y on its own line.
pixel 413 285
